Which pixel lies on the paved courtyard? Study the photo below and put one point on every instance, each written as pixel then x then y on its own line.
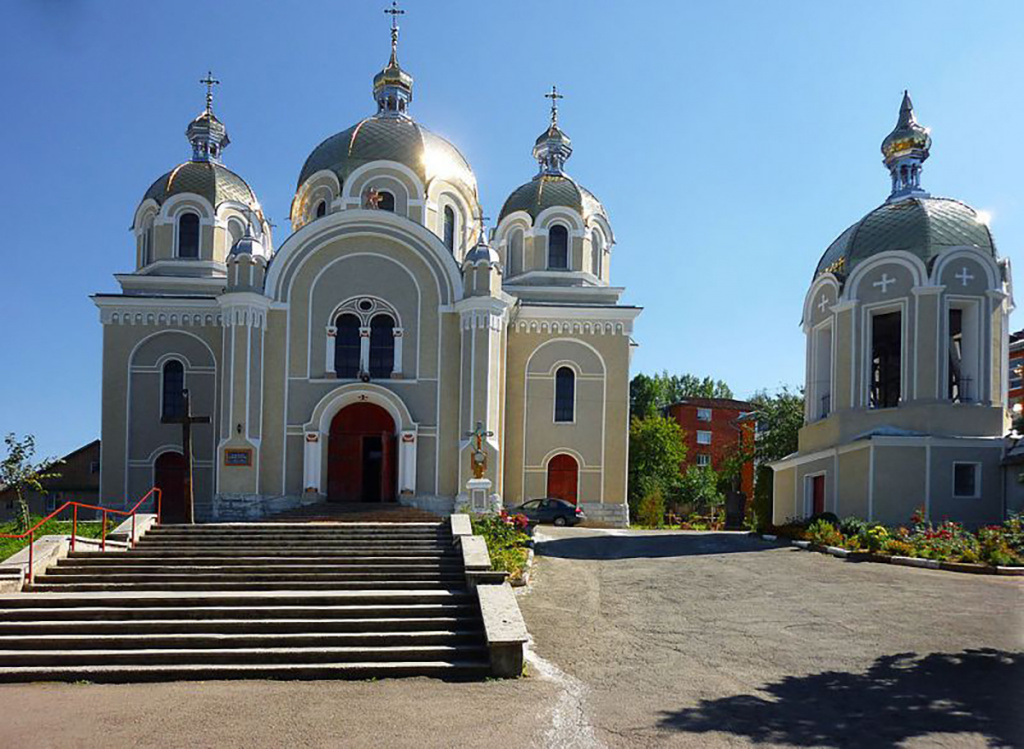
pixel 642 639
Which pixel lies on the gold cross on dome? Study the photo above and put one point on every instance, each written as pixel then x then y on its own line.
pixel 394 12
pixel 554 96
pixel 210 82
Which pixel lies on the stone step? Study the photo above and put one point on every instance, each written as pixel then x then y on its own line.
pixel 188 568
pixel 293 548
pixel 174 625
pixel 242 599
pixel 260 655
pixel 444 669
pixel 130 560
pixel 310 638
pixel 156 534
pixel 271 529
pixel 209 613
pixel 284 584
pixel 365 554
pixel 242 576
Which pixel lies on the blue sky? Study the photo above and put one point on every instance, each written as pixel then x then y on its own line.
pixel 730 141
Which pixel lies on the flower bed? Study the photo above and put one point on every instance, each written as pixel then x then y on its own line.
pixel 948 543
pixel 508 543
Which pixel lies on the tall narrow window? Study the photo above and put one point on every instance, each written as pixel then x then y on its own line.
pixel 558 247
pixel 188 235
pixel 515 253
pixel 957 381
pixel 321 209
pixel 235 230
pixel 173 387
pixel 820 390
pixel 565 394
pixel 597 253
pixel 346 347
pixel 449 228
pixel 147 241
pixel 382 346
pixel 387 201
pixel 886 360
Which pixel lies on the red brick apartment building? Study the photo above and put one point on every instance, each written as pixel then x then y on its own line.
pixel 1016 394
pixel 713 431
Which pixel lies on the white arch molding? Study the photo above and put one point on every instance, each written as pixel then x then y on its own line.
pixel 316 433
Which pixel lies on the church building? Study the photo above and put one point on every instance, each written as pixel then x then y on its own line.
pixel 390 350
pixel 906 321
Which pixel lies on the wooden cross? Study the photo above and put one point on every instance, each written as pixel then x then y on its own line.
pixel 554 96
pixel 210 82
pixel 187 420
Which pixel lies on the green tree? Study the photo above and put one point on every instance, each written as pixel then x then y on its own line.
pixel 649 394
pixel 20 473
pixel 656 450
pixel 699 486
pixel 780 415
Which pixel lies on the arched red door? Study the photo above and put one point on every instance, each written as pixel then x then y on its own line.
pixel 563 478
pixel 169 478
pixel 361 456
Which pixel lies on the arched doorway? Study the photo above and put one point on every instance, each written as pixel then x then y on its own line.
pixel 563 478
pixel 169 477
pixel 361 457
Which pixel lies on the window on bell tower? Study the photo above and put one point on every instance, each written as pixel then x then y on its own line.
pixel 188 235
pixel 558 247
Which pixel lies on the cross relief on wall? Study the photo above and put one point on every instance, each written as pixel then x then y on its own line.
pixel 964 276
pixel 884 283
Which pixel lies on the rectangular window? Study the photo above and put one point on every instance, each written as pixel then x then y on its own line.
pixel 703 438
pixel 886 360
pixel 94 466
pixel 703 414
pixel 1016 373
pixel 966 480
pixel 703 460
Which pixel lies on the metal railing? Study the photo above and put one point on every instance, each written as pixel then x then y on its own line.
pixel 30 534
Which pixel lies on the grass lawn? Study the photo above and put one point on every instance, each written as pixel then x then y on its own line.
pixel 86 529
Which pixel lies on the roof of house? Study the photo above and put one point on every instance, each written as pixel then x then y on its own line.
pixel 729 403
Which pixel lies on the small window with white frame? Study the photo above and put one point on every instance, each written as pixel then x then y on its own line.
pixel 703 460
pixel 703 438
pixel 966 480
pixel 703 414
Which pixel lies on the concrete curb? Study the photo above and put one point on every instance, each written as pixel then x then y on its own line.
pixel 930 564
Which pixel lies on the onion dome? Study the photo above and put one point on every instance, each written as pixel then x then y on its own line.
pixel 204 174
pixel 482 253
pixel 552 186
pixel 248 244
pixel 922 226
pixel 904 150
pixel 392 135
pixel 910 220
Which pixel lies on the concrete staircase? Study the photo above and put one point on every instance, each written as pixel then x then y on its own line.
pixel 261 600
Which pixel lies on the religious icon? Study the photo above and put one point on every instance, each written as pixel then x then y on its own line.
pixel 373 199
pixel 478 460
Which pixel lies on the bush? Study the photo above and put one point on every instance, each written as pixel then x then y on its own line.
pixel 651 509
pixel 761 506
pixel 898 548
pixel 507 541
pixel 828 517
pixel 851 526
pixel 874 537
pixel 823 533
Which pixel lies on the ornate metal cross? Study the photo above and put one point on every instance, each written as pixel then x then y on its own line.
pixel 478 434
pixel 394 12
pixel 554 96
pixel 187 420
pixel 210 82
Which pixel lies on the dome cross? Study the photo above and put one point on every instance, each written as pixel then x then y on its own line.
pixel 209 81
pixel 394 11
pixel 554 96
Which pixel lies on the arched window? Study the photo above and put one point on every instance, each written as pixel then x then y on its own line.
pixel 515 253
pixel 235 230
pixel 173 390
pixel 382 346
pixel 558 247
pixel 597 252
pixel 346 346
pixel 449 228
pixel 147 241
pixel 565 394
pixel 321 209
pixel 387 201
pixel 188 235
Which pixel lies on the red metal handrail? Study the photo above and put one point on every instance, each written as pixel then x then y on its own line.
pixel 31 532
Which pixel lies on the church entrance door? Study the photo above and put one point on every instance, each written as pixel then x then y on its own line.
pixel 361 465
pixel 169 478
pixel 563 478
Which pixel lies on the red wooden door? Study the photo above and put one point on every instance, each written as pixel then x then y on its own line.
pixel 355 429
pixel 563 478
pixel 818 494
pixel 169 478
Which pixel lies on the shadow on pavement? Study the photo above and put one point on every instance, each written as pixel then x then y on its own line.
pixel 901 696
pixel 651 546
